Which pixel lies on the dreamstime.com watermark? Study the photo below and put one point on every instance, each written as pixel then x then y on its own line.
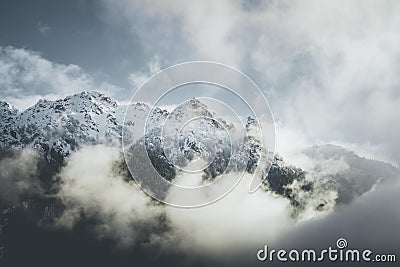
pixel 340 253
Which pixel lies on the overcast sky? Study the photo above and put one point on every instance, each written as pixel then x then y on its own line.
pixel 329 71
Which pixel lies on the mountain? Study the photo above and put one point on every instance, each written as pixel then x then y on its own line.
pixel 56 129
pixel 353 175
pixel 7 123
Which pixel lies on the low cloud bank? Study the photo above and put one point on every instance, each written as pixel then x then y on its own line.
pixel 93 186
pixel 95 191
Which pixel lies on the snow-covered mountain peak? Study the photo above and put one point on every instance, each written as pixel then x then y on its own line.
pixel 56 128
pixel 6 107
pixel 8 113
pixel 63 124
pixel 192 108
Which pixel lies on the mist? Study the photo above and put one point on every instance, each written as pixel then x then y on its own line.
pixel 19 175
pixel 94 186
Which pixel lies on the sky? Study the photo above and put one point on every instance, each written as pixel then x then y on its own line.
pixel 329 71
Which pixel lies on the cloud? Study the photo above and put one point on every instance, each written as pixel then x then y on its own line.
pixel 233 229
pixel 332 68
pixel 137 78
pixel 93 186
pixel 178 30
pixel 329 70
pixel 18 175
pixel 26 76
pixel 95 190
pixel 236 222
pixel 43 28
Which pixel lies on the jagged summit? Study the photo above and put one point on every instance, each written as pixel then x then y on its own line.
pixel 57 127
pixel 188 109
pixel 4 106
pixel 8 112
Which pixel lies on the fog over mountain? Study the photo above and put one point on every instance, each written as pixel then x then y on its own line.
pixel 74 168
pixel 66 193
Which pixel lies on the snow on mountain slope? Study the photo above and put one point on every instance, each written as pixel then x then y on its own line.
pixel 7 120
pixel 58 127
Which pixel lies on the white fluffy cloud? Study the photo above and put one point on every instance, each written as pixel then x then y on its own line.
pixel 330 69
pixel 92 184
pixel 238 221
pixel 18 175
pixel 333 67
pixel 25 77
pixel 204 30
pixel 94 187
pixel 230 230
